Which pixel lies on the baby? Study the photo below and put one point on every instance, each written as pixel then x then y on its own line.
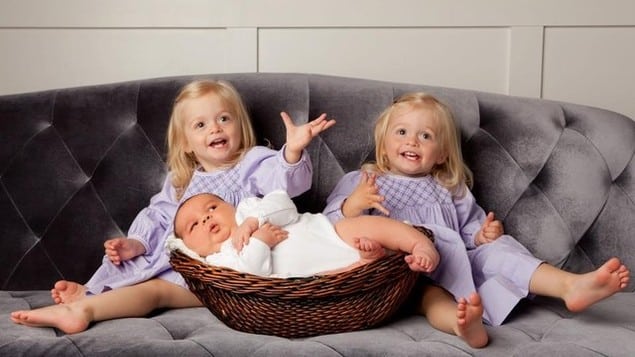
pixel 285 243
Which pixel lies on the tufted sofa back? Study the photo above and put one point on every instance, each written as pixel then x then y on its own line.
pixel 76 165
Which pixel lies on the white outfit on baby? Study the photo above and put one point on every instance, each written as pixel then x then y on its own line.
pixel 311 247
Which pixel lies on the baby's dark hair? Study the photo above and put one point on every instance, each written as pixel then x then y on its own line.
pixel 182 203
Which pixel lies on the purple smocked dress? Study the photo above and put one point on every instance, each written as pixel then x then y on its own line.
pixel 261 171
pixel 499 271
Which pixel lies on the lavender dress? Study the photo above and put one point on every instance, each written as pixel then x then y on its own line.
pixel 499 271
pixel 261 171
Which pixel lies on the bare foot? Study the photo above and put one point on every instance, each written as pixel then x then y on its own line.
pixel 64 317
pixel 469 321
pixel 424 257
pixel 369 250
pixel 65 292
pixel 587 289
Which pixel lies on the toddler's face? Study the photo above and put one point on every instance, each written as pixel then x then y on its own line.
pixel 211 131
pixel 411 142
pixel 204 222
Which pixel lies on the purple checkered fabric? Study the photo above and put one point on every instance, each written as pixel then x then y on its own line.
pixel 401 192
pixel 225 184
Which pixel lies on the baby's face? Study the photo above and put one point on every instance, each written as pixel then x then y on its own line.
pixel 204 222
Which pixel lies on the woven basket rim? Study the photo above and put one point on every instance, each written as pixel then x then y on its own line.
pixel 370 275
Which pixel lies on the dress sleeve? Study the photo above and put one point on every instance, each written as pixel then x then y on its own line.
pixel 342 190
pixel 266 170
pixel 254 258
pixel 153 222
pixel 471 217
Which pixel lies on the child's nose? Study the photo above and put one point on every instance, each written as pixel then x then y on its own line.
pixel 214 127
pixel 412 140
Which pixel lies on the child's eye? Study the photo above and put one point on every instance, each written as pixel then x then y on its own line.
pixel 224 118
pixel 199 125
pixel 401 131
pixel 425 136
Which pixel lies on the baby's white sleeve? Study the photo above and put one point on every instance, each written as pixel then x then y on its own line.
pixel 276 208
pixel 254 258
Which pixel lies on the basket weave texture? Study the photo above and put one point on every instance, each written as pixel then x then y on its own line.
pixel 357 299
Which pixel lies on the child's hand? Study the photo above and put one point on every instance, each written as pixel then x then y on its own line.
pixel 270 234
pixel 122 249
pixel 365 196
pixel 299 137
pixel 492 229
pixel 240 237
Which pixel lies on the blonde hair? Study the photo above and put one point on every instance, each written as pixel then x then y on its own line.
pixel 453 173
pixel 182 164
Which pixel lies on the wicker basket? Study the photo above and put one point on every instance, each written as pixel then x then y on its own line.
pixel 299 307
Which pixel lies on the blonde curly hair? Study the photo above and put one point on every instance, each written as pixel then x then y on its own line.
pixel 453 173
pixel 182 164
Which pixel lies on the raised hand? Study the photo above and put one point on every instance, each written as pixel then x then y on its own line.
pixel 122 248
pixel 299 137
pixel 365 196
pixel 491 230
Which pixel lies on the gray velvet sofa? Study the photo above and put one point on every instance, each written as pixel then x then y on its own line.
pixel 77 164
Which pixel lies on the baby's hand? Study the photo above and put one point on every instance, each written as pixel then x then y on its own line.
pixel 492 229
pixel 270 234
pixel 122 249
pixel 365 196
pixel 299 137
pixel 241 235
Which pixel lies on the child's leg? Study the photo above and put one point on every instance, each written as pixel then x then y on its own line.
pixel 393 235
pixel 65 292
pixel 139 299
pixel 464 319
pixel 369 251
pixel 580 291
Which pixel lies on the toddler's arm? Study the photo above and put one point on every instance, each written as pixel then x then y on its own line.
pixel 151 225
pixel 299 137
pixel 364 197
pixel 340 193
pixel 491 230
pixel 122 249
pixel 470 216
pixel 265 170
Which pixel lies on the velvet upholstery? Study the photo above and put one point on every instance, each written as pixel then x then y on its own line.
pixel 77 164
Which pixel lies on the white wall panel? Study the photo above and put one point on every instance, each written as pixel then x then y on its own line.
pixel 472 58
pixel 113 13
pixel 51 58
pixel 593 66
pixel 574 50
pixel 525 61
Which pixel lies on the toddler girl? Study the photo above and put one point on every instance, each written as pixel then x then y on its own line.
pixel 420 177
pixel 211 148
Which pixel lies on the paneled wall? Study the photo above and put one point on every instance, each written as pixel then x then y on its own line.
pixel 579 51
